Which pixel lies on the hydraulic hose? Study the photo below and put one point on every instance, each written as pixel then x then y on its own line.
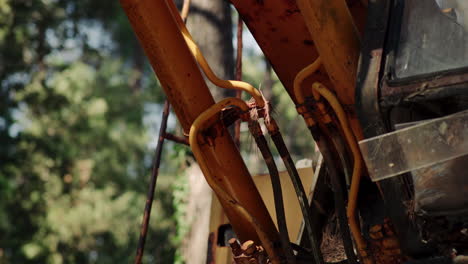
pixel 298 187
pixel 339 196
pixel 301 76
pixel 352 201
pixel 228 84
pixel 198 125
pixel 262 144
pixel 357 169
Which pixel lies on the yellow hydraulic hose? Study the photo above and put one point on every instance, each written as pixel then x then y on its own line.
pixel 298 92
pixel 198 125
pixel 228 84
pixel 318 88
pixel 185 10
pixel 301 76
pixel 357 170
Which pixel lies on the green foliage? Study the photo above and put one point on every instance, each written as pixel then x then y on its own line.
pixel 74 147
pixel 73 161
pixel 83 145
pixel 181 189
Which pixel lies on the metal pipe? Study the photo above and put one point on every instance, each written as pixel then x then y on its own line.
pixel 275 134
pixel 181 79
pixel 228 84
pixel 177 139
pixel 198 125
pixel 262 144
pixel 240 27
pixel 152 184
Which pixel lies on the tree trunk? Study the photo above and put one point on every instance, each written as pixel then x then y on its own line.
pixel 210 24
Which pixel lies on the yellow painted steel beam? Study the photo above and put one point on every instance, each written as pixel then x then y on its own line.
pixel 337 41
pixel 186 90
pixel 282 34
pixel 201 123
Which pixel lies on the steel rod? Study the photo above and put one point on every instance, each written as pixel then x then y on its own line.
pixel 176 139
pixel 152 185
pixel 240 27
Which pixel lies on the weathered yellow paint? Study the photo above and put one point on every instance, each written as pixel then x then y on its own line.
pixel 217 254
pixel 214 171
pixel 282 34
pixel 292 209
pixel 337 41
pixel 187 92
pixel 223 255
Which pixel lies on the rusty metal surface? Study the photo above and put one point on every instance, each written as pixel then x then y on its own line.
pixel 152 184
pixel 337 41
pixel 176 139
pixel 282 34
pixel 248 253
pixel 428 88
pixel 384 244
pixel 371 117
pixel 186 90
pixel 280 31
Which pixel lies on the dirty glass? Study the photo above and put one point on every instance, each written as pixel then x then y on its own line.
pixel 433 37
pixel 415 147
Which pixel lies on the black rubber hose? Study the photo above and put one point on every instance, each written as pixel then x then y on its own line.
pixel 262 144
pixel 299 188
pixel 339 198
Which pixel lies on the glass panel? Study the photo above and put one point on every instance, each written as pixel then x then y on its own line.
pixel 433 37
pixel 416 147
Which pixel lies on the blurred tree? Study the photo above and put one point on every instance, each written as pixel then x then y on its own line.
pixel 75 90
pixel 215 40
pixel 73 96
pixel 210 23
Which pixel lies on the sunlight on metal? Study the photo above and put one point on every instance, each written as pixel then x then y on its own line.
pixel 185 88
pixel 228 84
pixel 198 125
